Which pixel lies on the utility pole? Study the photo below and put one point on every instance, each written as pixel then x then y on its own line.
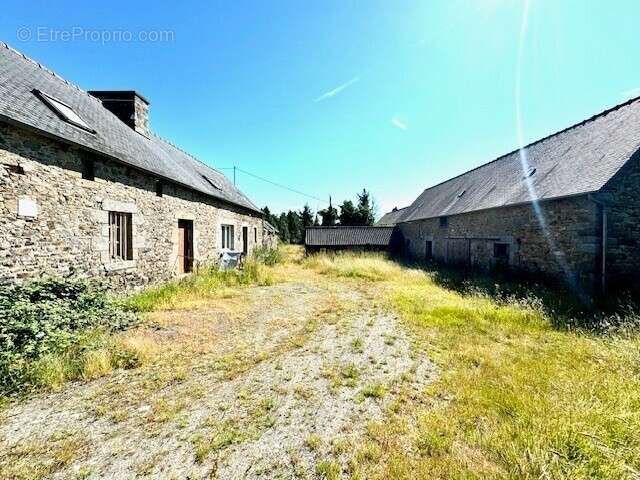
pixel 234 174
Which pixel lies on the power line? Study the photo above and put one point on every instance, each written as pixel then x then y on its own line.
pixel 272 182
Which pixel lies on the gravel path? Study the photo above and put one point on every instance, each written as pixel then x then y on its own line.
pixel 289 382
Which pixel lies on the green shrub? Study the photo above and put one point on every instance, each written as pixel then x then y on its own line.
pixel 45 318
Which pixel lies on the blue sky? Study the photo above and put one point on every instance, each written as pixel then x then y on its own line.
pixel 329 97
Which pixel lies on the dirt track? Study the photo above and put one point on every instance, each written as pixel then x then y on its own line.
pixel 280 388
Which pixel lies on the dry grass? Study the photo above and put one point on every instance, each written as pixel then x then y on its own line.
pixel 515 398
pixel 42 458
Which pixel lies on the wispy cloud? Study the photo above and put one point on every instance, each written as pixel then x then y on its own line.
pixel 337 90
pixel 401 124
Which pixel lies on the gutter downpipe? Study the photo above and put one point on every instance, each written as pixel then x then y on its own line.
pixel 603 268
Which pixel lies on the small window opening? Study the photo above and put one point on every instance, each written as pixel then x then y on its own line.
pixel 210 182
pixel 501 251
pixel 120 236
pixel 227 237
pixel 64 111
pixel 428 250
pixel 159 188
pixel 444 222
pixel 255 235
pixel 88 169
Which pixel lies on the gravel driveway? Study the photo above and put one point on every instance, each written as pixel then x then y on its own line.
pixel 282 385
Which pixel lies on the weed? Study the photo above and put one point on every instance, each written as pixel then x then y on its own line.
pixel 313 441
pixel 373 390
pixel 328 470
pixel 357 345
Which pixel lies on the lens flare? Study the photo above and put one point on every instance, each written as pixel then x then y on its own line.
pixel 526 167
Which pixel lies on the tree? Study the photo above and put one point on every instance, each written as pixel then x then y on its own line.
pixel 283 228
pixel 294 224
pixel 316 223
pixel 306 216
pixel 364 213
pixel 329 215
pixel 347 213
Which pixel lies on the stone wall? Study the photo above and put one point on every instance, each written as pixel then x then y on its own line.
pixel 568 250
pixel 270 239
pixel 53 221
pixel 621 199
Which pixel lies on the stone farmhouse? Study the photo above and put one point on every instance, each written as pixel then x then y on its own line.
pixel 566 206
pixel 86 188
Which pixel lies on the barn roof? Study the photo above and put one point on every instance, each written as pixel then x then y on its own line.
pixel 348 236
pixel 391 218
pixel 577 160
pixel 20 76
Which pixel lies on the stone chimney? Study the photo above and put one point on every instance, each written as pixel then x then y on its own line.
pixel 128 105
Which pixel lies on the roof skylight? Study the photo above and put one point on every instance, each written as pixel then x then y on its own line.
pixel 462 192
pixel 210 182
pixel 64 111
pixel 530 172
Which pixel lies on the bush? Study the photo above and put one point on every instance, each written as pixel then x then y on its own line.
pixel 48 318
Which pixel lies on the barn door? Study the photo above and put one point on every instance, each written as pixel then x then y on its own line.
pixel 185 246
pixel 458 251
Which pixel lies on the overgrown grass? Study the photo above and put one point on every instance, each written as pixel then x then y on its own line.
pixel 204 285
pixel 516 397
pixel 365 266
pixel 56 330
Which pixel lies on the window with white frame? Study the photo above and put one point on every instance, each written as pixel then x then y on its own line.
pixel 227 237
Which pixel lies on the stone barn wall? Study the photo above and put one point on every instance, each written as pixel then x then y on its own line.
pixel 53 221
pixel 512 237
pixel 621 199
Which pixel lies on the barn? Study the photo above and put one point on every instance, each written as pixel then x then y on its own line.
pixel 566 206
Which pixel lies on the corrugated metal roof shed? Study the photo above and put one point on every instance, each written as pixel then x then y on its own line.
pixel 348 236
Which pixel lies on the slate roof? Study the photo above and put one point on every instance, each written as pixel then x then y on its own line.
pixel 347 236
pixel 19 76
pixel 577 160
pixel 391 218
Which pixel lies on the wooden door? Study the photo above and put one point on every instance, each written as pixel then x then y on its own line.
pixel 245 240
pixel 185 246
